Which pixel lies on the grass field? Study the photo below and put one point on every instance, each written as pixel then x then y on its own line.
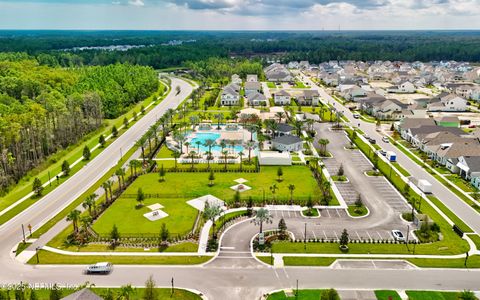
pixel 302 294
pixel 387 295
pixel 191 185
pixel 137 294
pixel 432 295
pixel 130 220
pixel 47 258
pixel 308 261
pixel 437 248
pixel 476 240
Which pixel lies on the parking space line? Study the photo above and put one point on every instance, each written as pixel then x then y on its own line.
pixel 338 214
pixel 326 237
pixel 358 236
pixel 288 213
pixel 336 236
pixel 369 235
pixel 379 235
pixel 327 210
pixel 314 236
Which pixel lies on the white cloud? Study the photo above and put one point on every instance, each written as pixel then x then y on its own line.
pixel 136 2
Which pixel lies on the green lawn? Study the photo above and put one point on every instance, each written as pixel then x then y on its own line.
pixel 431 295
pixel 461 183
pixel 271 85
pixel 459 222
pixel 300 85
pixel 302 295
pixel 355 211
pixel 266 259
pixel 54 258
pixel 188 185
pixel 473 262
pixel 443 247
pixel 162 293
pixel 476 239
pixel 308 261
pixel 401 169
pixel 387 295
pixel 164 152
pixel 53 164
pixel 130 220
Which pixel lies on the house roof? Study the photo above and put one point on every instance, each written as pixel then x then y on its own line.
pixel 309 94
pixel 423 131
pixel 253 85
pixel 282 93
pixel 408 123
pixel 441 137
pixel 473 163
pixel 83 294
pixel 283 127
pixel 448 119
pixel 256 96
pixel 460 149
pixel 287 140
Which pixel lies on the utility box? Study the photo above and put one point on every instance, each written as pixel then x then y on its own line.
pixel 391 156
pixel 425 186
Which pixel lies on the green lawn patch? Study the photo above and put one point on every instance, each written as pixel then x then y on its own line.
pixel 387 295
pixel 374 173
pixel 431 295
pixel 311 212
pixel 21 246
pixel 342 178
pixel 266 259
pixel 164 152
pixel 476 240
pixel 401 169
pixel 473 262
pixel 186 185
pixel 271 85
pixel 300 85
pixel 47 257
pixel 308 261
pixel 356 211
pixel 459 222
pixel 461 183
pixel 130 220
pixel 302 294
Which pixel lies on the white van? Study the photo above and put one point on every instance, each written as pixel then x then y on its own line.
pixel 99 268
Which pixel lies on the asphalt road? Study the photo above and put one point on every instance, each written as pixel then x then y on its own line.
pixel 223 280
pixel 455 204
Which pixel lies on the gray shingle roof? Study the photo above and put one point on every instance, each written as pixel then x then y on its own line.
pixel 84 294
pixel 287 139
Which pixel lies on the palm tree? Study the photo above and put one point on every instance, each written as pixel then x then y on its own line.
pixel 209 158
pixel 280 115
pixel 250 146
pixel 85 221
pixel 176 155
pixel 223 145
pixel 187 144
pixel 273 189
pixel 109 183
pixel 192 155
pixel 105 188
pixel 298 126
pixel 198 143
pixel 225 157
pixel 90 204
pixel 141 143
pixel 209 143
pixel 120 172
pixel 323 146
pixel 74 217
pixel 262 216
pixel 211 212
pixel 219 118
pixel 241 154
pixel 126 291
pixel 291 188
pixel 180 139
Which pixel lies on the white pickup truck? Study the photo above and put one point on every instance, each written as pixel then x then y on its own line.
pixel 99 268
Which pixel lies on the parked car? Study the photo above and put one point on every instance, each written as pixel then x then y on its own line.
pixel 385 139
pixel 356 116
pixel 372 141
pixel 472 126
pixel 99 268
pixel 398 235
pixel 366 136
pixel 382 152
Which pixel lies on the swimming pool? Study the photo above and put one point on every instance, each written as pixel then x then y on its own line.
pixel 203 136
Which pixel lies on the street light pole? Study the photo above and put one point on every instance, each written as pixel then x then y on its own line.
pixel 23 233
pixel 305 237
pixel 36 253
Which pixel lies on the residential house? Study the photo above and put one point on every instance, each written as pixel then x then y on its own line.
pixel 256 99
pixel 384 109
pixel 354 94
pixel 464 91
pixel 469 167
pixel 278 73
pixel 284 129
pixel 475 95
pixel 449 153
pixel 252 87
pixel 83 294
pixel 405 87
pixel 287 143
pixel 236 79
pixel 448 103
pixel 230 95
pixel 252 78
pixel 282 97
pixel 308 98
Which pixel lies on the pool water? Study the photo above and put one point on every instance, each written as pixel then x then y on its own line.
pixel 203 136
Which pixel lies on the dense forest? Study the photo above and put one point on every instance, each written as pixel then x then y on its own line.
pixel 43 109
pixel 221 69
pixel 57 48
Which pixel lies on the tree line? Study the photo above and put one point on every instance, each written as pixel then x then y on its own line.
pixel 44 109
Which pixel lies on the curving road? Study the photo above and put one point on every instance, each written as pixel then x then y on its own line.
pixel 455 204
pixel 230 276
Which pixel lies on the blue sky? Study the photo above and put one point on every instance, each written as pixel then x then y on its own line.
pixel 240 14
